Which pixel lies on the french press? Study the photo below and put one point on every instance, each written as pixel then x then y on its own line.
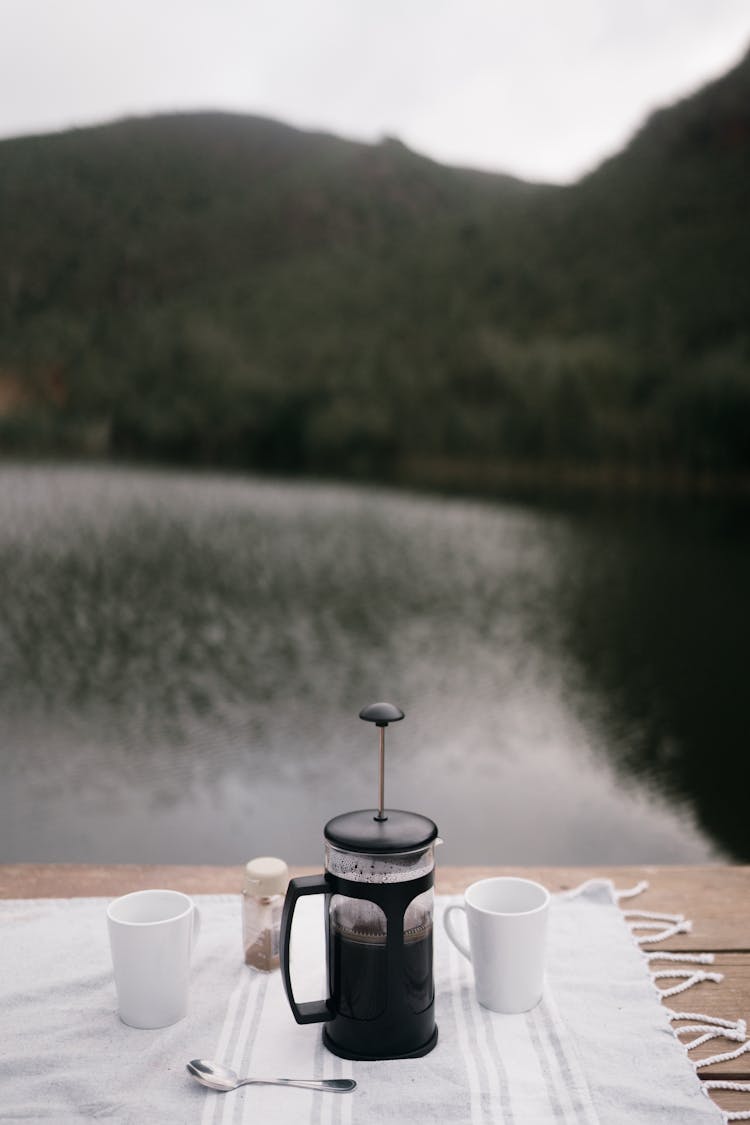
pixel 378 879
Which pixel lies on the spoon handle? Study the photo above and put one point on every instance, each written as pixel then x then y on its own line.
pixel 336 1085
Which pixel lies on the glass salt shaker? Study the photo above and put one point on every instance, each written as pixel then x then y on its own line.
pixel 266 880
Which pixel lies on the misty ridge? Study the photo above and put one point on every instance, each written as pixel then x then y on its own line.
pixel 222 290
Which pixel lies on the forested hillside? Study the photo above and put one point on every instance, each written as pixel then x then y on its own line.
pixel 226 290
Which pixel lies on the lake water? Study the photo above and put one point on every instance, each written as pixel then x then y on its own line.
pixel 183 656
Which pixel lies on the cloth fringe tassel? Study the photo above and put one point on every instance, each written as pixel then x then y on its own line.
pixel 690 977
pixel 650 920
pixel 704 1028
pixel 717 1084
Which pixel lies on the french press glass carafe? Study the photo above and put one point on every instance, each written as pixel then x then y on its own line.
pixel 378 879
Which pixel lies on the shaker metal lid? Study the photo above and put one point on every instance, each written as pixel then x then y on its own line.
pixel 362 831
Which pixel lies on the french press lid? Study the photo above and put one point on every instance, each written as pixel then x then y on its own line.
pixel 379 831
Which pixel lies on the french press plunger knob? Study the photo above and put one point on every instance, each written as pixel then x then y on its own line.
pixel 381 714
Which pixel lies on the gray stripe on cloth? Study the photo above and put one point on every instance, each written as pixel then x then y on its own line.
pixel 451 990
pixel 467 1006
pixel 337 1103
pixel 228 1035
pixel 317 1108
pixel 502 1076
pixel 336 1110
pixel 579 1109
pixel 257 999
pixel 231 1106
pixel 544 1063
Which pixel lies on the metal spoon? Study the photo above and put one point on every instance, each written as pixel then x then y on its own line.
pixel 221 1078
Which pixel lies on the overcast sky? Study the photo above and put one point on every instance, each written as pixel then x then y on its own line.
pixel 541 88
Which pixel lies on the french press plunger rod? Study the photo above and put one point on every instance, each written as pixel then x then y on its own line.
pixel 381 714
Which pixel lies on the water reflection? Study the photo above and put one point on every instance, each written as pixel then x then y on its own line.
pixel 667 660
pixel 182 658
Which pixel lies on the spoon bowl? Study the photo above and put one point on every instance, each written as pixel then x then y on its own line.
pixel 223 1079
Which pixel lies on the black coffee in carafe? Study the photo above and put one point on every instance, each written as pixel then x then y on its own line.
pixel 357 975
pixel 357 970
pixel 379 907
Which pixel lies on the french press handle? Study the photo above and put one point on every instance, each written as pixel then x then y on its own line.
pixel 311 1011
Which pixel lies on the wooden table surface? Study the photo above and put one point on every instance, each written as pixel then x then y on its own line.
pixel 716 898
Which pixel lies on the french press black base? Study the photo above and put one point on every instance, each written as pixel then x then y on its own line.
pixel 378 885
pixel 420 1051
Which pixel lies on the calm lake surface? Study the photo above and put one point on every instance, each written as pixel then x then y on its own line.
pixel 183 656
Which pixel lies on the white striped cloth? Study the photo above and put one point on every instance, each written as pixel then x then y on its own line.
pixel 598 1049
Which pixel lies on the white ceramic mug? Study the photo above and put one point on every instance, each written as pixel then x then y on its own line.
pixel 152 934
pixel 507 923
